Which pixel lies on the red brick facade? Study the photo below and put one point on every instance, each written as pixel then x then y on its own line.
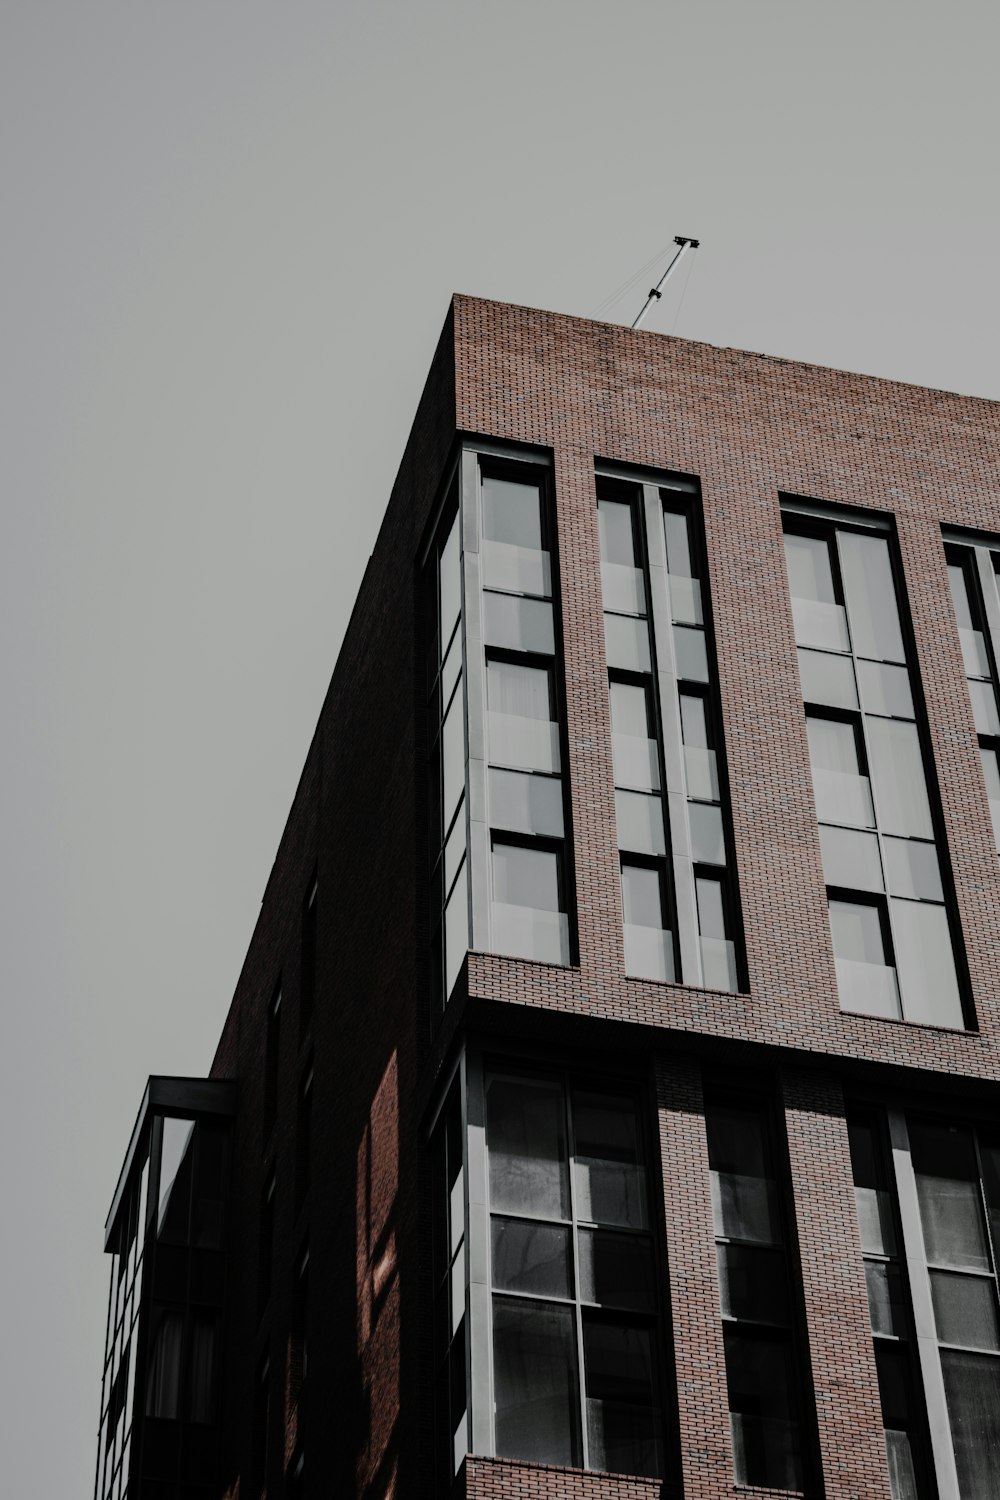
pixel 750 428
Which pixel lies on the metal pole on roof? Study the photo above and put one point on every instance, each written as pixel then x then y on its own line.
pixel 684 242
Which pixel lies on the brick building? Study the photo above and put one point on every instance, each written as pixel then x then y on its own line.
pixel 607 1106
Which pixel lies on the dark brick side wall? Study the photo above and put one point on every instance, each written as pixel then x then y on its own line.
pixel 750 428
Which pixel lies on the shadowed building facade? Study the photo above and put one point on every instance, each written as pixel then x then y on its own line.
pixel 608 1103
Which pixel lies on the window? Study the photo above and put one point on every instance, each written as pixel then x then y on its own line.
pixel 894 936
pixel 664 723
pixel 448 1262
pixel 758 1323
pixel 574 1328
pixel 303 1138
pixel 265 1244
pixel 889 1310
pixel 972 574
pixel 307 990
pixel 529 903
pixel 272 1060
pixel 261 1425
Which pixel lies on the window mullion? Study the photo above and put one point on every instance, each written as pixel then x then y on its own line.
pixel 924 1324
pixel 669 714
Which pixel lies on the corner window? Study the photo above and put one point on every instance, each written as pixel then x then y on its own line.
pixel 972 574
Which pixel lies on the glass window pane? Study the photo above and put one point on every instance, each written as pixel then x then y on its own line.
pixel 766 1443
pixel 525 803
pixel 623 589
pixel 972 1389
pixel 810 575
pixel 886 1298
pixel 450 584
pixel 711 909
pixel 626 642
pixel 912 869
pixel 526 1141
pixel 897 775
pixel 534 1259
pixel 517 570
pixel 512 512
pixel 518 624
pixel 642 896
pixel 991 773
pixel 615 520
pixel 616 1270
pixel 752 1284
pixel 692 657
pixel 925 963
pixel 609 1178
pixel 948 1192
pixel 857 932
pixel 535 1382
pixel 527 877
pixel 960 597
pixel 640 822
pixel 453 756
pixel 984 708
pixel 965 1310
pixel 163 1367
pixel 885 690
pixel 827 679
pixel 622 1421
pixel 871 1196
pixel 871 596
pixel 708 845
pixel 678 540
pixel 743 1200
pixel 833 745
pixel 851 858
pixel 630 709
pixel 694 721
pixel 512 688
pixel 456 930
pixel 175 1180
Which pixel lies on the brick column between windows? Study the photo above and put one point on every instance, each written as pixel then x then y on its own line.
pixel 849 1417
pixel 699 1354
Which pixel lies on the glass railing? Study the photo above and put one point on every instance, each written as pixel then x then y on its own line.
pixel 871 989
pixel 637 762
pixel 718 963
pixel 528 932
pixel 820 625
pixel 517 570
pixel 685 600
pixel 649 953
pixel 626 643
pixel 843 798
pixel 624 589
pixel 525 744
pixel 640 823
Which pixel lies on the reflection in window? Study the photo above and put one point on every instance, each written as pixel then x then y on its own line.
pixel 760 1341
pixel 574 1370
pixel 869 774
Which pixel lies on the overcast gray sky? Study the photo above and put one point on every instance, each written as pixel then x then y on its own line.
pixel 230 235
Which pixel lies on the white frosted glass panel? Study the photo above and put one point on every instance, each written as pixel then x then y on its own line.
pixel 512 511
pixel 885 689
pixel 627 643
pixel 827 679
pixel 926 964
pixel 640 823
pixel 912 869
pixel 984 707
pixel 456 930
pixel 692 656
pixel 526 744
pixel 623 588
pixel 708 845
pixel 868 988
pixel 718 962
pixel 453 757
pixel 451 670
pixel 843 798
pixel 701 772
pixel 518 624
pixel 851 859
pixel 517 570
pixel 526 932
pixel 454 850
pixel 450 577
pixel 871 596
pixel 636 762
pixel 897 774
pixel 649 953
pixel 615 521
pixel 823 626
pixel 526 803
pixel 685 600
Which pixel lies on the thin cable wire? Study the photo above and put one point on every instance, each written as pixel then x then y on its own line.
pixel 684 292
pixel 627 285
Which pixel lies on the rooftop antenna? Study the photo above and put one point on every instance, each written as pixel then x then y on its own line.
pixel 656 292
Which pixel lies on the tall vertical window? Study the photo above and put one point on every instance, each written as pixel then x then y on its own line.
pixel 447 760
pixel 307 983
pixel 448 1265
pixel 889 1310
pixel 972 574
pixel 303 1138
pixel 894 935
pixel 762 1364
pixel 678 892
pixel 265 1243
pixel 272 1058
pixel 574 1327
